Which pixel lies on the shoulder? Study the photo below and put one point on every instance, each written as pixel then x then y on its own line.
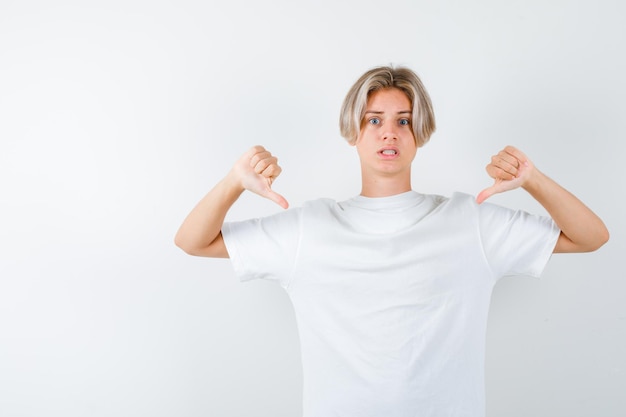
pixel 320 208
pixel 456 201
pixel 462 207
pixel 320 203
pixel 467 202
pixel 459 198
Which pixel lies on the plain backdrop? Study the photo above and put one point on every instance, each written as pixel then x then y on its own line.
pixel 116 117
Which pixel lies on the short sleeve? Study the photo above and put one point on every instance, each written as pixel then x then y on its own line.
pixel 516 242
pixel 264 248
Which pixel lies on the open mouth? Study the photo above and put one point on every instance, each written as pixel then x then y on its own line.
pixel 389 152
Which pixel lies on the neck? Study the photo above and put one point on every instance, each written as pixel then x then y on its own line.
pixel 384 186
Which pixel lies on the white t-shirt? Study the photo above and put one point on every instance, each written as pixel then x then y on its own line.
pixel 391 295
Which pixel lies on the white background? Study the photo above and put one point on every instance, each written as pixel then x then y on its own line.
pixel 117 117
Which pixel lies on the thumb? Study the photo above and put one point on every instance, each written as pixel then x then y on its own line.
pixel 486 193
pixel 276 198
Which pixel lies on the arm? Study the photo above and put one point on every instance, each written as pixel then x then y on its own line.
pixel 581 229
pixel 200 234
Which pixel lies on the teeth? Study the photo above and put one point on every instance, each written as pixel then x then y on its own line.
pixel 389 152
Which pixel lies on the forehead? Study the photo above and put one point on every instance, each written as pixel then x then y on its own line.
pixel 390 99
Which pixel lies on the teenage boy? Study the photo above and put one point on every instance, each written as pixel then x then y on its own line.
pixel 391 288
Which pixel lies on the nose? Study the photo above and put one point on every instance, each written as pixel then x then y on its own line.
pixel 390 134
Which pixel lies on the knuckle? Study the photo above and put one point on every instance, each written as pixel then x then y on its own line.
pixel 261 166
pixel 273 168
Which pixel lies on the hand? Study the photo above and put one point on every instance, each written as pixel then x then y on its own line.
pixel 510 169
pixel 256 170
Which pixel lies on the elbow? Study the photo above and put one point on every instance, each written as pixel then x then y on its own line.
pixel 215 249
pixel 183 244
pixel 600 239
pixel 590 242
pixel 604 237
pixel 178 242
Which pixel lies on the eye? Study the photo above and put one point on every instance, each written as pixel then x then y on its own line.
pixel 404 122
pixel 374 121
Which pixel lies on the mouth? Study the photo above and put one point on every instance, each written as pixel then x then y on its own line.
pixel 388 152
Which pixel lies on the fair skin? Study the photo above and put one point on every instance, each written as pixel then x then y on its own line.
pixel 386 145
pixel 386 149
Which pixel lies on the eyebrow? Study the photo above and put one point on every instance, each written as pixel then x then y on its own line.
pixel 381 112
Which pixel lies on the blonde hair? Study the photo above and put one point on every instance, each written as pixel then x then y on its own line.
pixel 402 78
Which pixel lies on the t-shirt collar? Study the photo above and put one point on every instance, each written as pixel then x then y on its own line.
pixel 397 201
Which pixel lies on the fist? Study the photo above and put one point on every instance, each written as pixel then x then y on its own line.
pixel 510 169
pixel 256 170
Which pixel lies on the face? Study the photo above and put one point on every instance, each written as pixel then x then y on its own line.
pixel 386 145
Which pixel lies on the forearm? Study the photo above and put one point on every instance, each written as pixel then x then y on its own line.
pixel 201 230
pixel 581 229
pixel 200 234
